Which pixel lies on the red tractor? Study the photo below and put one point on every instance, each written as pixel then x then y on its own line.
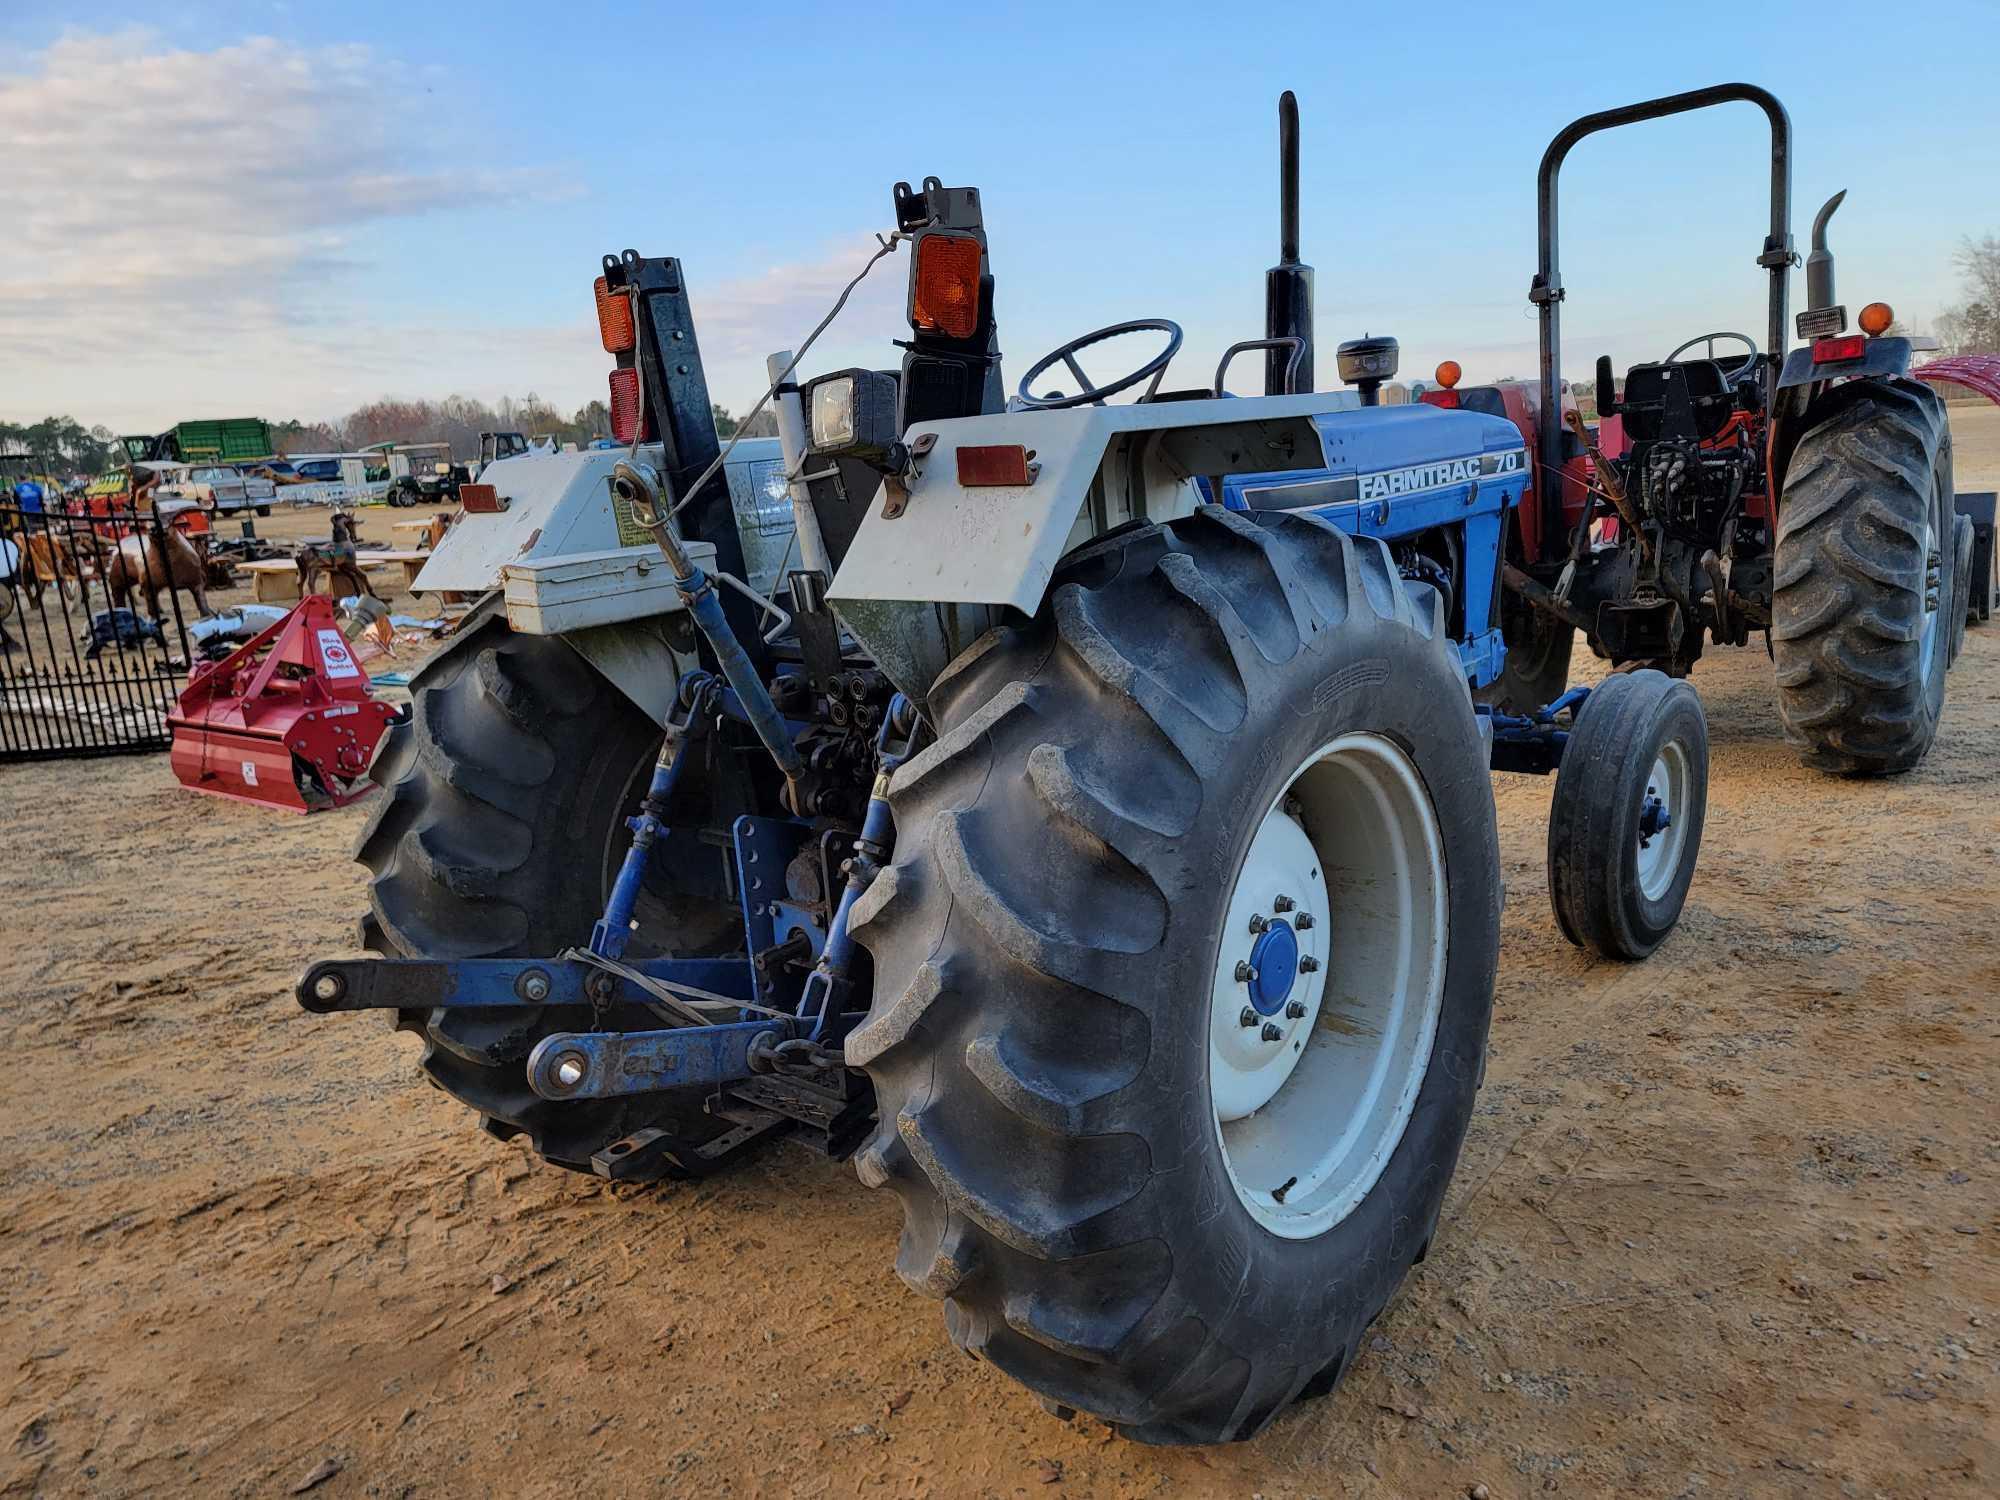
pixel 1728 489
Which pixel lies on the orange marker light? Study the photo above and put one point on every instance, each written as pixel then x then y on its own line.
pixel 1876 318
pixel 614 318
pixel 1448 374
pixel 946 294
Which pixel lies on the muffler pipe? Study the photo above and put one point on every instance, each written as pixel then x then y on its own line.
pixel 1288 286
pixel 1819 264
pixel 638 485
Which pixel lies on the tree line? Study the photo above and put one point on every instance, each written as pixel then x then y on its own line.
pixel 69 447
pixel 1970 325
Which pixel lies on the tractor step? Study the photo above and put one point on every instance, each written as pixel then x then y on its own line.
pixel 650 1154
pixel 836 1114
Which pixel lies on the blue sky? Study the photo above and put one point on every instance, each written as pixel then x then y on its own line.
pixel 319 204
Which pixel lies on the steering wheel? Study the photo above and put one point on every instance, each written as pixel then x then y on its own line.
pixel 1095 394
pixel 1732 373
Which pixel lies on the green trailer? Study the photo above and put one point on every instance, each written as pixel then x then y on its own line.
pixel 213 440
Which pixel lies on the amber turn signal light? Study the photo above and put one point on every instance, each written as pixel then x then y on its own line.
pixel 614 318
pixel 945 297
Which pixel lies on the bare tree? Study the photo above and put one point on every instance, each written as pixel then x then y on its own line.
pixel 1973 326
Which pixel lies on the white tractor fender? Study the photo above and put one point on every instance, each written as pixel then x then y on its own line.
pixel 1092 468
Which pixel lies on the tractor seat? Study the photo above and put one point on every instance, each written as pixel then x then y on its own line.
pixel 1689 400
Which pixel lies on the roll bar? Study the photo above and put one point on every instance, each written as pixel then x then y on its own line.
pixel 1546 291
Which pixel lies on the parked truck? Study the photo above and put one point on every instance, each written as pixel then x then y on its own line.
pixel 225 440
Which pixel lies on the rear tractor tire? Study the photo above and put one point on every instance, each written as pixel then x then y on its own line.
pixel 1183 972
pixel 1625 825
pixel 1863 587
pixel 501 827
pixel 1536 669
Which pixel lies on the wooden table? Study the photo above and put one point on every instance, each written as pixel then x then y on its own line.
pixel 277 579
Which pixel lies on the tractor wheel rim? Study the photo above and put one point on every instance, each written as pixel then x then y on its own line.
pixel 1314 1071
pixel 1933 604
pixel 1662 833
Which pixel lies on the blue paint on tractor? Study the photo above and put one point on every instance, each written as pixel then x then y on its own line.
pixel 1396 472
pixel 1275 957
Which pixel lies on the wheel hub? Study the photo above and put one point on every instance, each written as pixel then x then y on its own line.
pixel 1268 970
pixel 1661 836
pixel 1328 985
pixel 1654 820
pixel 1274 960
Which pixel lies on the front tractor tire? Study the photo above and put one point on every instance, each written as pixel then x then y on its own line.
pixel 1860 630
pixel 1183 972
pixel 1625 823
pixel 501 827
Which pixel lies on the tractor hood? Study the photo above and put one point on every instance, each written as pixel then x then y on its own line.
pixel 1378 456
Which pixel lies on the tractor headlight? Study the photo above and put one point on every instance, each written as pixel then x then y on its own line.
pixel 833 412
pixel 851 414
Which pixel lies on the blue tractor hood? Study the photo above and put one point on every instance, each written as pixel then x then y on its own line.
pixel 1386 453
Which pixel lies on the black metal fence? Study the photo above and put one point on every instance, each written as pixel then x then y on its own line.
pixel 93 650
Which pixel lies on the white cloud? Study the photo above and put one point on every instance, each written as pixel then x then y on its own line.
pixel 742 319
pixel 184 227
pixel 181 225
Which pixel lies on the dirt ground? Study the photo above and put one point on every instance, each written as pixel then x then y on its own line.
pixel 1726 1223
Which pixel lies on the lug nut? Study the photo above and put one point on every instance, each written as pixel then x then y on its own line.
pixel 1295 1011
pixel 1303 921
pixel 1272 1034
pixel 1283 903
pixel 1257 922
pixel 1308 965
pixel 1246 972
pixel 534 986
pixel 1248 1017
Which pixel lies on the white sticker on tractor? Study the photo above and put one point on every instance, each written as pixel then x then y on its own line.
pixel 249 773
pixel 333 651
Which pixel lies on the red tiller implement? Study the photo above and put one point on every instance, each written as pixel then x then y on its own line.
pixel 285 720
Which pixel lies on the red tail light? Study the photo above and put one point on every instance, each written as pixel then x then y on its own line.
pixel 627 416
pixel 1832 351
pixel 614 318
pixel 945 294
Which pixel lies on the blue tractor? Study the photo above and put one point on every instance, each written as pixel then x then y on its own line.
pixel 1091 835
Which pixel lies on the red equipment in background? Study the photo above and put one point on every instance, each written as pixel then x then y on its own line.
pixel 284 720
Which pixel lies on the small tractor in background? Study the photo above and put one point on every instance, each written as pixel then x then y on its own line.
pixel 1077 814
pixel 1807 495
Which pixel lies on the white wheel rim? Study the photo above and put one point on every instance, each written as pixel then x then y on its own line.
pixel 1308 1118
pixel 1663 807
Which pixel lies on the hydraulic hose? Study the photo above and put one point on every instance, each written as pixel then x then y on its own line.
pixel 639 486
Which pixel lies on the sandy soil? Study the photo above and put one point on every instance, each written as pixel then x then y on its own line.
pixel 1726 1223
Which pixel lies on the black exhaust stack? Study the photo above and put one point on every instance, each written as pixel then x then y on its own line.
pixel 1819 264
pixel 1288 286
